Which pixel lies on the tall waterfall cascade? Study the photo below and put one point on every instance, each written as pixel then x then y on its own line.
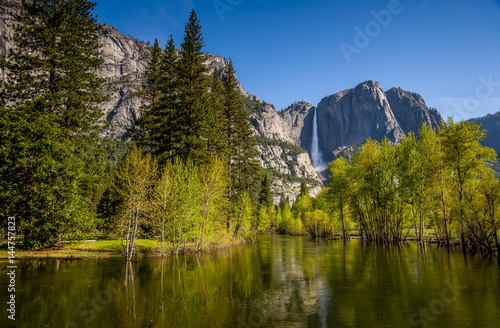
pixel 316 155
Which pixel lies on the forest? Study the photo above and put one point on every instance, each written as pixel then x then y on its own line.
pixel 188 177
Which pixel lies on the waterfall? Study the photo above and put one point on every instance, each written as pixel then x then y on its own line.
pixel 317 156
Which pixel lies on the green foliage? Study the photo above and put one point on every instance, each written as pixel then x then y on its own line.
pixel 49 157
pixel 265 198
pixel 289 178
pixel 263 222
pixel 291 149
pixel 243 215
pixel 338 191
pixel 439 180
pixel 466 160
pixel 134 181
pixel 115 150
pixel 318 224
pixel 42 180
pixel 249 106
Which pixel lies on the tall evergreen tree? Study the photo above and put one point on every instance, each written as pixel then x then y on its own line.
pixel 169 104
pixel 242 164
pixel 193 97
pixel 55 61
pixel 265 198
pixel 303 189
pixel 54 91
pixel 218 145
pixel 146 128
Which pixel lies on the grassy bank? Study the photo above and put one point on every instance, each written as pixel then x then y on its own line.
pixel 102 249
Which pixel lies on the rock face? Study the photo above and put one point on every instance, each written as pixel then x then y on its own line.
pixel 278 153
pixel 124 61
pixel 351 116
pixel 6 34
pixel 410 110
pixel 299 121
pixel 490 123
pixel 269 124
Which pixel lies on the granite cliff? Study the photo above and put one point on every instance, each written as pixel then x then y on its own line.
pixel 350 116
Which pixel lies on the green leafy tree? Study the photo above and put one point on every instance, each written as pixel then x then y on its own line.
pixel 243 215
pixel 287 216
pixel 338 191
pixel 134 182
pixel 464 156
pixel 213 204
pixel 263 223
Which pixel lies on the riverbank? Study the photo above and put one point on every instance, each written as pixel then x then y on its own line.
pixel 105 249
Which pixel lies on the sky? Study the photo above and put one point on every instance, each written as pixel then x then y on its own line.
pixel 288 50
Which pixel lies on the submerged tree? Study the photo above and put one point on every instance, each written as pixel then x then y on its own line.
pixel 465 157
pixel 338 191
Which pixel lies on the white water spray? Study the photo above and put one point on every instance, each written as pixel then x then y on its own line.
pixel 317 156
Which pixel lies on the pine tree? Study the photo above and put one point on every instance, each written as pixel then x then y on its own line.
pixel 146 127
pixel 193 96
pixel 303 189
pixel 218 144
pixel 265 198
pixel 168 103
pixel 55 61
pixel 242 164
pixel 54 94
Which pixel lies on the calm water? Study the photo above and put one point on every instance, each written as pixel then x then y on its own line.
pixel 280 282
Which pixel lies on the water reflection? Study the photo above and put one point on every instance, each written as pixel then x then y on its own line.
pixel 279 282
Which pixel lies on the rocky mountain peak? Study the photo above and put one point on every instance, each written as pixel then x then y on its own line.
pixel 350 116
pixel 411 111
pixel 353 115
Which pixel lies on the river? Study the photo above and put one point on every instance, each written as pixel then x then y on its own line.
pixel 281 281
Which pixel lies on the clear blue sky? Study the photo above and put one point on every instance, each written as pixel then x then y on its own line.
pixel 290 50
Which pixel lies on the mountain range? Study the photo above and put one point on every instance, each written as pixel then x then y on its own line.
pixel 285 138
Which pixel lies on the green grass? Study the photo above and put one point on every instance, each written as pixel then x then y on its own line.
pixel 87 249
pixel 100 249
